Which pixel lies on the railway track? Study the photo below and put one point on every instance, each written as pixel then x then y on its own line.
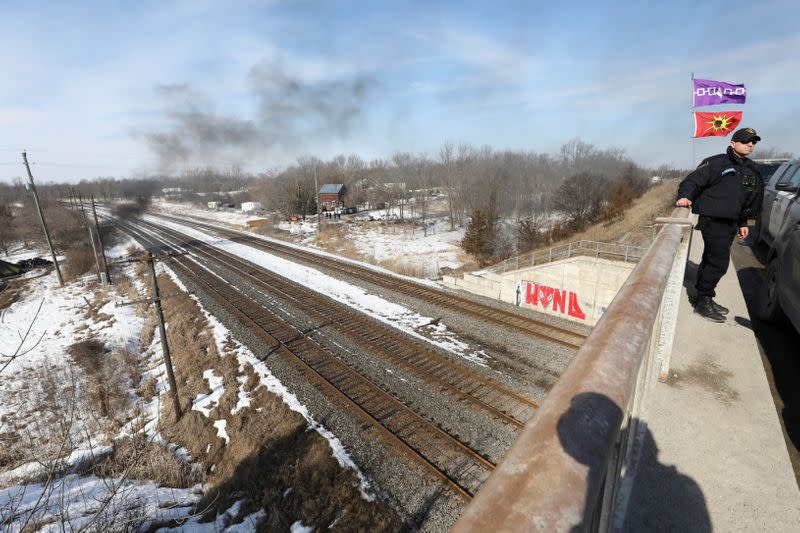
pixel 560 335
pixel 415 356
pixel 396 424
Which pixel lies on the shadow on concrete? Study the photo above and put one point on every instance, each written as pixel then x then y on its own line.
pixel 661 499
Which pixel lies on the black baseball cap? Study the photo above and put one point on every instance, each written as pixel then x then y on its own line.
pixel 745 135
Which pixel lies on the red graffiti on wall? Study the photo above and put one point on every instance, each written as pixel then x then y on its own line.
pixel 555 299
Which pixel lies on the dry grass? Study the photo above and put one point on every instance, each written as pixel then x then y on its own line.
pixel 406 267
pixel 79 260
pixel 130 361
pixel 145 460
pixel 12 293
pixel 271 449
pixel 148 388
pixel 275 453
pixel 10 452
pixel 335 238
pixel 635 225
pixel 106 378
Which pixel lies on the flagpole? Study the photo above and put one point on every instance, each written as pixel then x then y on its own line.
pixel 692 117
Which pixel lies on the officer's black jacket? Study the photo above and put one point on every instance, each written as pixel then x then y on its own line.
pixel 716 188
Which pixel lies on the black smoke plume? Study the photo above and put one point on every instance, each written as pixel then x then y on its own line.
pixel 288 112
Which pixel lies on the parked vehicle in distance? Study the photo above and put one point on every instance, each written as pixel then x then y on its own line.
pixel 780 292
pixel 779 190
pixel 350 210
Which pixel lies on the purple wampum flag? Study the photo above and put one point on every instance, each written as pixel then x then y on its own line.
pixel 710 92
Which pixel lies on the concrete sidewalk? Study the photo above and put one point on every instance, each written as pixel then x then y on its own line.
pixel 713 456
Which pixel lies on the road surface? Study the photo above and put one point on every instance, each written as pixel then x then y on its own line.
pixel 779 344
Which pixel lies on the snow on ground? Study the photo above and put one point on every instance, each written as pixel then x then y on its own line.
pixel 437 250
pixel 390 313
pixel 381 242
pixel 106 504
pixel 55 318
pixel 17 253
pixel 206 402
pixel 228 216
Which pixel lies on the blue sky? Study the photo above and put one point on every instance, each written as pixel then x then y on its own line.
pixel 125 88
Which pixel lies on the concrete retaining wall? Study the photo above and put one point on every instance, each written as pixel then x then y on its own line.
pixel 578 288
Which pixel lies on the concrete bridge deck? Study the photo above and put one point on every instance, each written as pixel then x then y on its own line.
pixel 713 455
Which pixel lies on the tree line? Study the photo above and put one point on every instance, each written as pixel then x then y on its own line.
pixel 567 189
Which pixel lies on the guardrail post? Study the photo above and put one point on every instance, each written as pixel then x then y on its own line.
pixel 672 297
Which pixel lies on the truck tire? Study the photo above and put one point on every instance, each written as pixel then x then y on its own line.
pixel 769 307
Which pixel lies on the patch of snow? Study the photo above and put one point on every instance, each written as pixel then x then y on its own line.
pixel 222 522
pixel 298 527
pixel 73 502
pixel 221 433
pixel 206 402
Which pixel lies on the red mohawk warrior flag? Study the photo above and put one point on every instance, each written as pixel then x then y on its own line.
pixel 716 124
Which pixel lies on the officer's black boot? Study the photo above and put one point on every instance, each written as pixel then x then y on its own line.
pixel 718 308
pixel 705 308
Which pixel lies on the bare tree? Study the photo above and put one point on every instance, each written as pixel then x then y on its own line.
pixel 580 198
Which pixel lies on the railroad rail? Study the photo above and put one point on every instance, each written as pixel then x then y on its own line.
pixel 415 356
pixel 560 335
pixel 410 433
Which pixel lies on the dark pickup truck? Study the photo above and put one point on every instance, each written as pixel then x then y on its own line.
pixel 779 228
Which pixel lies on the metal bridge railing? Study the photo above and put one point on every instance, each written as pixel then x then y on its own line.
pixel 604 250
pixel 562 472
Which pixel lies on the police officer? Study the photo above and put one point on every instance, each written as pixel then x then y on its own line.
pixel 724 191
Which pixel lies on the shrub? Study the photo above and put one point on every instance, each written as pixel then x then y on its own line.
pixel 80 260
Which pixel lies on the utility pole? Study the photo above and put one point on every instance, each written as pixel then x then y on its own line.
pixel 100 240
pixel 156 299
pixel 319 207
pixel 163 331
pixel 91 238
pixel 32 188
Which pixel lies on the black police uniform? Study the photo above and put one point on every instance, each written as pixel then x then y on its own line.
pixel 724 190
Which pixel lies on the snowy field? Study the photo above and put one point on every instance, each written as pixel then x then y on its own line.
pixel 375 237
pixel 35 334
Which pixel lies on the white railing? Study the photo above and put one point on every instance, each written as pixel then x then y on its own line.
pixel 605 250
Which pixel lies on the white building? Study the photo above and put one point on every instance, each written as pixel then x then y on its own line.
pixel 250 206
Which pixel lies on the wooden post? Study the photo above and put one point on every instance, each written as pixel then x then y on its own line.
pixel 100 240
pixel 32 188
pixel 91 238
pixel 163 331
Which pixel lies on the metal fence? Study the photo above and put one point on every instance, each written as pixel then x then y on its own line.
pixel 604 250
pixel 563 472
